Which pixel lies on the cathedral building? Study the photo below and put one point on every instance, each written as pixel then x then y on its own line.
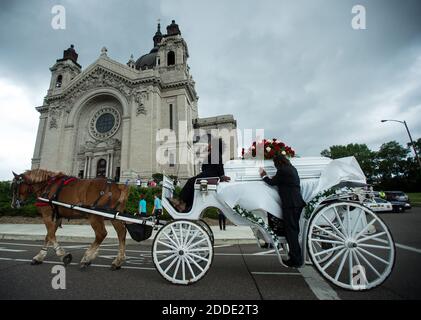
pixel 113 120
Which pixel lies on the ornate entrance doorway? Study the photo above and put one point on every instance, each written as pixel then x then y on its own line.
pixel 101 168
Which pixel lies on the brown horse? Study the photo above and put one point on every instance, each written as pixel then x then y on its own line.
pixel 92 193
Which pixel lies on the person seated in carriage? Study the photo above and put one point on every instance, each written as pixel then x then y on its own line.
pixel 288 183
pixel 213 167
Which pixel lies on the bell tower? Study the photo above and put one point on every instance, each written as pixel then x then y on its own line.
pixel 173 49
pixel 64 70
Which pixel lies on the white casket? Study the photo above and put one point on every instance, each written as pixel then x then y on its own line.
pixel 316 174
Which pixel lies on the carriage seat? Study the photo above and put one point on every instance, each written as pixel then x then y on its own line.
pixel 211 181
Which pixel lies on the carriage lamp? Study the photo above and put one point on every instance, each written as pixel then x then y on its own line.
pixel 204 185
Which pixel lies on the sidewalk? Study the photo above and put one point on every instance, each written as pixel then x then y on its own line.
pixel 84 233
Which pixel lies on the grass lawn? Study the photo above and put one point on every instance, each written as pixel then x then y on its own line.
pixel 415 199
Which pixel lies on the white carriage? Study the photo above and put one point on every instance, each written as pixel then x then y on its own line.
pixel 344 240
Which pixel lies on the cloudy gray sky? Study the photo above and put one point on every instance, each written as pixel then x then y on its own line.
pixel 295 68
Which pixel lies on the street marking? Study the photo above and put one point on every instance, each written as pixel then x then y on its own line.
pixel 264 253
pixel 278 273
pixel 402 246
pixel 77 264
pixel 320 287
pixel 223 246
pixel 10 250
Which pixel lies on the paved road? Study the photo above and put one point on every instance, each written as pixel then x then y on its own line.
pixel 238 272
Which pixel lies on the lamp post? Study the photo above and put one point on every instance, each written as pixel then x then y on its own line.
pixel 410 138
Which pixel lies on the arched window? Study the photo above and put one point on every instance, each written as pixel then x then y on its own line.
pixel 171 58
pixel 59 81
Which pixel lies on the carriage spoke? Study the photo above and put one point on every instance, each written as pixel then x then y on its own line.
pixel 365 228
pixel 368 263
pixel 171 240
pixel 168 258
pixel 356 223
pixel 328 250
pixel 175 236
pixel 348 219
pixel 197 243
pixel 183 268
pixel 351 267
pixel 373 255
pixel 195 263
pixel 371 237
pixel 171 264
pixel 341 266
pixel 333 226
pixel 167 245
pixel 333 259
pixel 327 241
pixel 192 238
pixel 187 235
pixel 373 246
pixel 329 233
pixel 164 251
pixel 197 257
pixel 176 268
pixel 340 221
pixel 197 250
pixel 189 266
pixel 181 234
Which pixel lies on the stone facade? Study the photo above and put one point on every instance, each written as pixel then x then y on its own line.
pixel 104 120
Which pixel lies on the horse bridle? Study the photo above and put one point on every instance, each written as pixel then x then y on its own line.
pixel 16 182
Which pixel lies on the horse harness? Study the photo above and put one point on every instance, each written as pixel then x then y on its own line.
pixel 60 182
pixel 64 181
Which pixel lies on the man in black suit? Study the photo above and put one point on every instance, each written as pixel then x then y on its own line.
pixel 288 183
pixel 213 168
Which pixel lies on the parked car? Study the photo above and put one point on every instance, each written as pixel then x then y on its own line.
pixel 378 205
pixel 398 196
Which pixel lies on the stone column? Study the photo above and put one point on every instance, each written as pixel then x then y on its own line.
pixel 125 148
pixel 40 139
pixel 85 170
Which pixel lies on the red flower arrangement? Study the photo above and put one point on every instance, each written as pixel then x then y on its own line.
pixel 270 149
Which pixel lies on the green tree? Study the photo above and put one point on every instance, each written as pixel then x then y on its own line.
pixel 365 157
pixel 392 160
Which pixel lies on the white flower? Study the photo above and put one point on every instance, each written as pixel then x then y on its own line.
pixel 284 153
pixel 268 149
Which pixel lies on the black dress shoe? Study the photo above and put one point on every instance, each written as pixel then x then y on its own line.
pixel 292 264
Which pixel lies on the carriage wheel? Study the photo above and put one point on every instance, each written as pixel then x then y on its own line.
pixel 182 252
pixel 350 246
pixel 206 226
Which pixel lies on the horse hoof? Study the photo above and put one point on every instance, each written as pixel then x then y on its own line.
pixel 35 262
pixel 115 268
pixel 67 259
pixel 85 265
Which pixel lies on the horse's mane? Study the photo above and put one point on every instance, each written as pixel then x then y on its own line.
pixel 40 175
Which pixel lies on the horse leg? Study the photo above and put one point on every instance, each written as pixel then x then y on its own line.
pixel 39 258
pixel 120 228
pixel 97 223
pixel 51 239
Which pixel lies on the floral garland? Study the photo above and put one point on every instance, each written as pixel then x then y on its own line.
pixel 270 148
pixel 322 196
pixel 259 221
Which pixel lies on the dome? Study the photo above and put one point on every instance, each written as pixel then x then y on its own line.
pixel 147 61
